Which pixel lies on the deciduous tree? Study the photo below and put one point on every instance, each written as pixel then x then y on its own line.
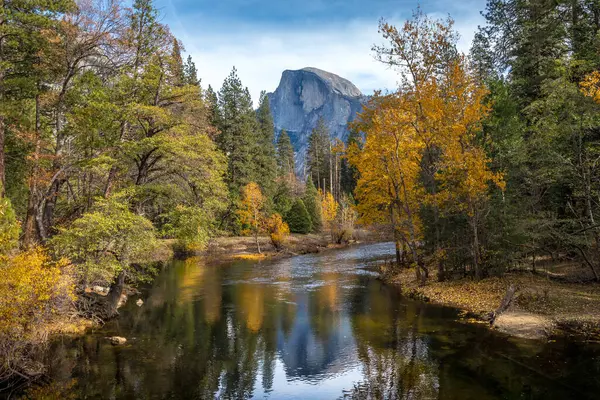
pixel 251 210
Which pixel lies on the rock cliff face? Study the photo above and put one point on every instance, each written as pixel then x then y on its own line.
pixel 304 96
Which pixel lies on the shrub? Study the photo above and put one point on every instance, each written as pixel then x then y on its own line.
pixel 298 218
pixel 342 228
pixel 190 227
pixel 313 206
pixel 279 231
pixel 36 291
pixel 106 241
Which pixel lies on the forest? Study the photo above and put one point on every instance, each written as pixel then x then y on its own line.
pixel 111 148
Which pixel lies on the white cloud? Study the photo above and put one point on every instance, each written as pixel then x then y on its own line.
pixel 262 53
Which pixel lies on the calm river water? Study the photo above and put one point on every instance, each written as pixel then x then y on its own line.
pixel 309 327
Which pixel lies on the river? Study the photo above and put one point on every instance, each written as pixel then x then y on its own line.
pixel 312 327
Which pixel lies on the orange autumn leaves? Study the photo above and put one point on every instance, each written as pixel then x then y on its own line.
pixel 252 215
pixel 421 145
pixel 590 86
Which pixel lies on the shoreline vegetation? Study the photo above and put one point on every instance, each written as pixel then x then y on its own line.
pixel 228 248
pixel 478 164
pixel 556 300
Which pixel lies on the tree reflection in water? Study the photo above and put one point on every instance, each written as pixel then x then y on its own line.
pixel 317 326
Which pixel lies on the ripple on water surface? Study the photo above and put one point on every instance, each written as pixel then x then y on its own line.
pixel 318 326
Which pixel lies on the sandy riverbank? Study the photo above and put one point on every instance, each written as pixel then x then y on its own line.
pixel 542 308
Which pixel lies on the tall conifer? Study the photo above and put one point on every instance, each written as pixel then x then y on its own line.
pixel 264 152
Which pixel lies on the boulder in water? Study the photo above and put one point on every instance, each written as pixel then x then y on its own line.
pixel 117 340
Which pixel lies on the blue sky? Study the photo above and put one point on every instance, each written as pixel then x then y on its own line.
pixel 262 38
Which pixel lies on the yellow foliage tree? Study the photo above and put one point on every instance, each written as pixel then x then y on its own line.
pixel 34 290
pixel 421 147
pixel 464 176
pixel 279 231
pixel 389 165
pixel 590 86
pixel 329 208
pixel 251 210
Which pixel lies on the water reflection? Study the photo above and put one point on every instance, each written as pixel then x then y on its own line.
pixel 319 327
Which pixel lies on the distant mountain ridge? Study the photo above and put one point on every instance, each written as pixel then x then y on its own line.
pixel 303 96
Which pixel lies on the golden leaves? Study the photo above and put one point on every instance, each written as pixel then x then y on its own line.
pixel 279 231
pixel 250 211
pixel 590 86
pixel 33 288
pixel 421 145
pixel 329 207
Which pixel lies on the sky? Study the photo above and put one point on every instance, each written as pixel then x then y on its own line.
pixel 262 38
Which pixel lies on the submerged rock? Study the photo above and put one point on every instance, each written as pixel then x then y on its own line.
pixel 100 290
pixel 117 340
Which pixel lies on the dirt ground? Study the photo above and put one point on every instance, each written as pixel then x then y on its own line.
pixel 551 301
pixel 244 247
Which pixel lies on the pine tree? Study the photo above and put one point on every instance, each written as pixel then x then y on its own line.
pixel 319 155
pixel 349 173
pixel 264 150
pixel 285 155
pixel 177 69
pixel 283 199
pixel 22 44
pixel 238 128
pixel 526 38
pixel 298 218
pixel 313 206
pixel 144 33
pixel 212 103
pixel 190 73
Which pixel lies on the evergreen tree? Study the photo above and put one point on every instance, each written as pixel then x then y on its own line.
pixel 349 173
pixel 283 199
pixel 238 127
pixel 177 69
pixel 190 73
pixel 313 206
pixel 319 156
pixel 264 150
pixel 146 34
pixel 23 45
pixel 212 103
pixel 525 37
pixel 285 155
pixel 298 218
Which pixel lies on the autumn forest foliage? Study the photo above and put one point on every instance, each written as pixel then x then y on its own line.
pixel 110 146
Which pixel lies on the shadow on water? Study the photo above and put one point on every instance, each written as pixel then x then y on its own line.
pixel 317 326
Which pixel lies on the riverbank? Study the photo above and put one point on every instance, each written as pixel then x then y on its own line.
pixel 543 307
pixel 244 247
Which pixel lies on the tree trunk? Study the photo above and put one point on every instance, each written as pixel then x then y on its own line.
pixel 396 239
pixel 109 181
pixel 256 213
pixel 114 295
pixel 51 203
pixel 330 171
pixel 257 242
pixel 475 244
pixel 476 252
pixel 30 232
pixel 506 301
pixel 437 245
pixel 398 252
